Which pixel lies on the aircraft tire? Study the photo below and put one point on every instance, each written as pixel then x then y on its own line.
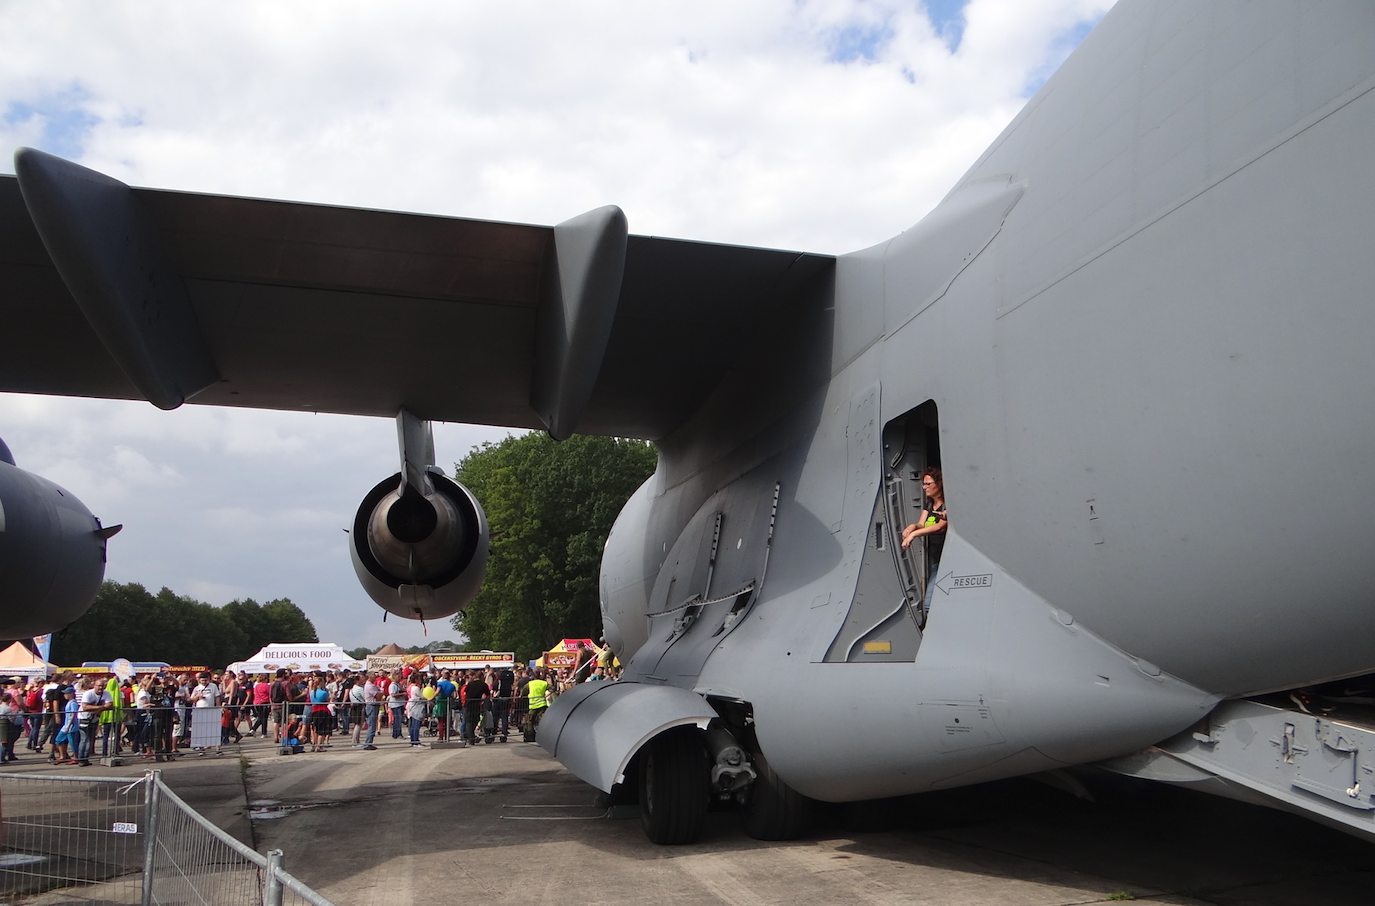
pixel 673 787
pixel 775 811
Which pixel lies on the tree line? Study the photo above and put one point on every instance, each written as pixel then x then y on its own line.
pixel 550 506
pixel 128 621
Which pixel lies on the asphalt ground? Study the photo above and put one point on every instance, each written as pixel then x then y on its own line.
pixel 507 824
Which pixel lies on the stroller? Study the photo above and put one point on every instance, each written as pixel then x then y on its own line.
pixel 488 724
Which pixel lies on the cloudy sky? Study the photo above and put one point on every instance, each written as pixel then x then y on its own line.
pixel 821 125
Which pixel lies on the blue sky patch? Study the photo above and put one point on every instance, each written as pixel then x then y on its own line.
pixel 1060 48
pixel 859 42
pixel 947 18
pixel 65 123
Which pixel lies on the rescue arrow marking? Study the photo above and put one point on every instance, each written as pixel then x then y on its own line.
pixel 984 580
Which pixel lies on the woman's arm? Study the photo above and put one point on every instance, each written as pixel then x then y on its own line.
pixel 935 529
pixel 920 528
pixel 913 530
pixel 910 532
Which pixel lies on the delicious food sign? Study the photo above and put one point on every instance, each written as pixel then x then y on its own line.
pixel 302 657
pixel 302 653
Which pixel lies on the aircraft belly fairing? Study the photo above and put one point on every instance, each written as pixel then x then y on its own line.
pixel 1003 684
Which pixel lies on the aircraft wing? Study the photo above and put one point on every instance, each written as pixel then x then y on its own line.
pixel 330 309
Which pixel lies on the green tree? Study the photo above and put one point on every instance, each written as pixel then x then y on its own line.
pixel 276 621
pixel 550 506
pixel 287 623
pixel 127 621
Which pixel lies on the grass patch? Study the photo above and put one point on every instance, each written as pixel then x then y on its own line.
pixel 1121 895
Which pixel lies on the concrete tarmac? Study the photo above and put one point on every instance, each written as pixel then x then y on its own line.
pixel 507 824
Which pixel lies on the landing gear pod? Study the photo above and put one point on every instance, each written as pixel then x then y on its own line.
pixel 420 547
pixel 52 553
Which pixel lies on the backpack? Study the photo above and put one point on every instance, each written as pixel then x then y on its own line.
pixel 277 694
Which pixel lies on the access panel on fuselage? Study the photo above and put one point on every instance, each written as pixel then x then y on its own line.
pixel 710 579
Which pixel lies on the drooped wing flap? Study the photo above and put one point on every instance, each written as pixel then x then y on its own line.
pixel 329 309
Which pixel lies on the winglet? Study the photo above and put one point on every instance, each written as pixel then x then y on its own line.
pixel 108 254
pixel 577 309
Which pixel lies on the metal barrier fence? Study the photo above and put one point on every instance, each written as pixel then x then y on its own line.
pixel 106 840
pixel 157 732
pixel 165 729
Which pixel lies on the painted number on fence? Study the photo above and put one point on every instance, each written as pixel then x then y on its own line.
pixel 125 827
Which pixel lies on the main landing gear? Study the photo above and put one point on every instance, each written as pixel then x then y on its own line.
pixel 673 786
pixel 674 780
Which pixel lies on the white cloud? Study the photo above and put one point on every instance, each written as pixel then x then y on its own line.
pixel 738 122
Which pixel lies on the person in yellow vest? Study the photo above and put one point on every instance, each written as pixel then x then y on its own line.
pixel 539 702
pixel 112 718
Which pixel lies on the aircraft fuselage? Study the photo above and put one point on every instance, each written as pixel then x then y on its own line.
pixel 1146 352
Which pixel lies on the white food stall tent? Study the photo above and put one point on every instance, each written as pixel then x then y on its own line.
pixel 303 657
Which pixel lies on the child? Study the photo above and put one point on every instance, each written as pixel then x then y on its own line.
pixel 295 731
pixel 69 732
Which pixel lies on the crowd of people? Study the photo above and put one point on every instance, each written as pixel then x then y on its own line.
pixel 68 716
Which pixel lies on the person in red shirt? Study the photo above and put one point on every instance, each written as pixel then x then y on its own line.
pixel 33 714
pixel 262 699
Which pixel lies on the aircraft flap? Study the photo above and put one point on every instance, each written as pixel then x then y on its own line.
pixel 596 728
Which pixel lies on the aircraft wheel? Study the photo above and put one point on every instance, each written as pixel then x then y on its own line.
pixel 775 811
pixel 673 786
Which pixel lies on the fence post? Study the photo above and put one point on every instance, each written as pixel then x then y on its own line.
pixel 150 833
pixel 272 885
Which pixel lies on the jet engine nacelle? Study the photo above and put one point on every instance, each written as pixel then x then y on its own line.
pixel 52 553
pixel 420 554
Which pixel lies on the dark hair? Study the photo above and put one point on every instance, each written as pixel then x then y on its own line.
pixel 935 474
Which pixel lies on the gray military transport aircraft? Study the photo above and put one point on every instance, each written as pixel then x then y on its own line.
pixel 1136 336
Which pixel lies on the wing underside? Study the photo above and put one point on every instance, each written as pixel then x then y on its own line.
pixel 328 309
